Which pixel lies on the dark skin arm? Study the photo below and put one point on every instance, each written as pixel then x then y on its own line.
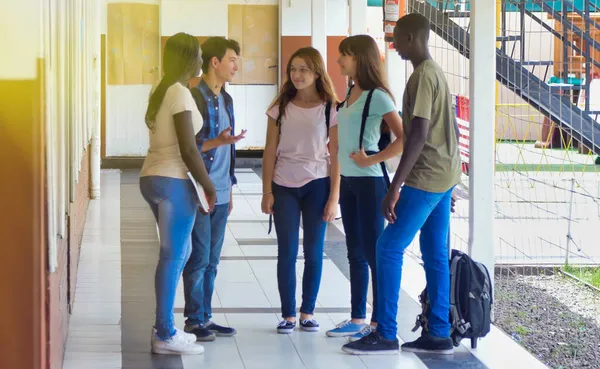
pixel 191 156
pixel 412 149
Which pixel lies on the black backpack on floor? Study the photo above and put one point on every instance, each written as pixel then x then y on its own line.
pixel 471 300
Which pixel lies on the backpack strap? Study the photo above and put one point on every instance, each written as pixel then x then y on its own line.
pixel 278 120
pixel 201 105
pixel 200 102
pixel 339 106
pixel 363 123
pixel 365 115
pixel 327 116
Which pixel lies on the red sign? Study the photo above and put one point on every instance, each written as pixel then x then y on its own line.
pixel 392 11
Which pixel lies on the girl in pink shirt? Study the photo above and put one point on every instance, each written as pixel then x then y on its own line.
pixel 301 177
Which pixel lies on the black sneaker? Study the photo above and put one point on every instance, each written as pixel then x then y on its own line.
pixel 309 325
pixel 202 334
pixel 373 344
pixel 219 330
pixel 286 327
pixel 429 344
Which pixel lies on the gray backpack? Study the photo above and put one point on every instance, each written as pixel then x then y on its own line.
pixel 471 300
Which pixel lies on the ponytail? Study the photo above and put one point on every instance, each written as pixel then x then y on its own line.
pixel 156 99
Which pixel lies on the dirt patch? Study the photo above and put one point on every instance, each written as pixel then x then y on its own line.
pixel 553 317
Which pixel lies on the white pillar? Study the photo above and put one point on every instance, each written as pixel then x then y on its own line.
pixel 482 124
pixel 95 142
pixel 319 27
pixel 395 69
pixel 358 17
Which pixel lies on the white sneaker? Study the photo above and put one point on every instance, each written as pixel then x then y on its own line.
pixel 179 344
pixel 190 337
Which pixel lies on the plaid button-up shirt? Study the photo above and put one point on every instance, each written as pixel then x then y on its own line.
pixel 208 104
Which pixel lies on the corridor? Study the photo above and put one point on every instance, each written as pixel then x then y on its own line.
pixel 114 301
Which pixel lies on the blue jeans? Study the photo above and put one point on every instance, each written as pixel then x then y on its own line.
pixel 201 270
pixel 173 202
pixel 360 204
pixel 430 213
pixel 309 202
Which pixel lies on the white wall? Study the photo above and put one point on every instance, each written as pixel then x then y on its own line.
pixel 20 38
pixel 126 133
pixel 71 94
pixel 198 18
pixel 296 17
pixel 250 105
pixel 337 17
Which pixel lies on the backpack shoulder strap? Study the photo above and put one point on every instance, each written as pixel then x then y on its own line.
pixel 338 106
pixel 278 120
pixel 327 116
pixel 200 102
pixel 365 115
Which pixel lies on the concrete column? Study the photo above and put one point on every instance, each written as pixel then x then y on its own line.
pixel 483 122
pixel 319 27
pixel 95 153
pixel 358 17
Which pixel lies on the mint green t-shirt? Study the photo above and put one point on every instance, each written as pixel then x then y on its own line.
pixel 349 119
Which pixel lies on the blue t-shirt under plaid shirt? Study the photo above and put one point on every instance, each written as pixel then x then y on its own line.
pixel 219 173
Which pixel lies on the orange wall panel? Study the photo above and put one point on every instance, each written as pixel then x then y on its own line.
pixel 289 45
pixel 22 226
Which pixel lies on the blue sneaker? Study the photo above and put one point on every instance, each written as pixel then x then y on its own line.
pixel 362 333
pixel 345 329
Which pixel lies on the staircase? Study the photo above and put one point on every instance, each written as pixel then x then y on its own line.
pixel 516 77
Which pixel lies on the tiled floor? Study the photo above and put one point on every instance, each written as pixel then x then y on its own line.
pixel 114 306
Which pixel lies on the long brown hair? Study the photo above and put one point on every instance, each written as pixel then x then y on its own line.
pixel 369 68
pixel 181 59
pixel 323 82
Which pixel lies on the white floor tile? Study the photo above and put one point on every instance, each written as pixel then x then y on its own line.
pixel 250 231
pixel 242 295
pixel 235 271
pixel 95 331
pixel 234 250
pixel 257 250
pixel 79 360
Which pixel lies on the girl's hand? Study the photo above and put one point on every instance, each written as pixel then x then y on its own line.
pixel 330 211
pixel 361 158
pixel 267 203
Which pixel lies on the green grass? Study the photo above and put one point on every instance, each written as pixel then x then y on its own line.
pixel 566 167
pixel 590 275
pixel 522 331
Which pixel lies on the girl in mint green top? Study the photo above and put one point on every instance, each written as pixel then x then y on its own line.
pixel 349 133
pixel 362 185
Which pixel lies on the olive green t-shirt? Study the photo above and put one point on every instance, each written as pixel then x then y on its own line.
pixel 427 96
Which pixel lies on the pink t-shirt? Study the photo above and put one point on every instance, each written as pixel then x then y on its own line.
pixel 302 154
